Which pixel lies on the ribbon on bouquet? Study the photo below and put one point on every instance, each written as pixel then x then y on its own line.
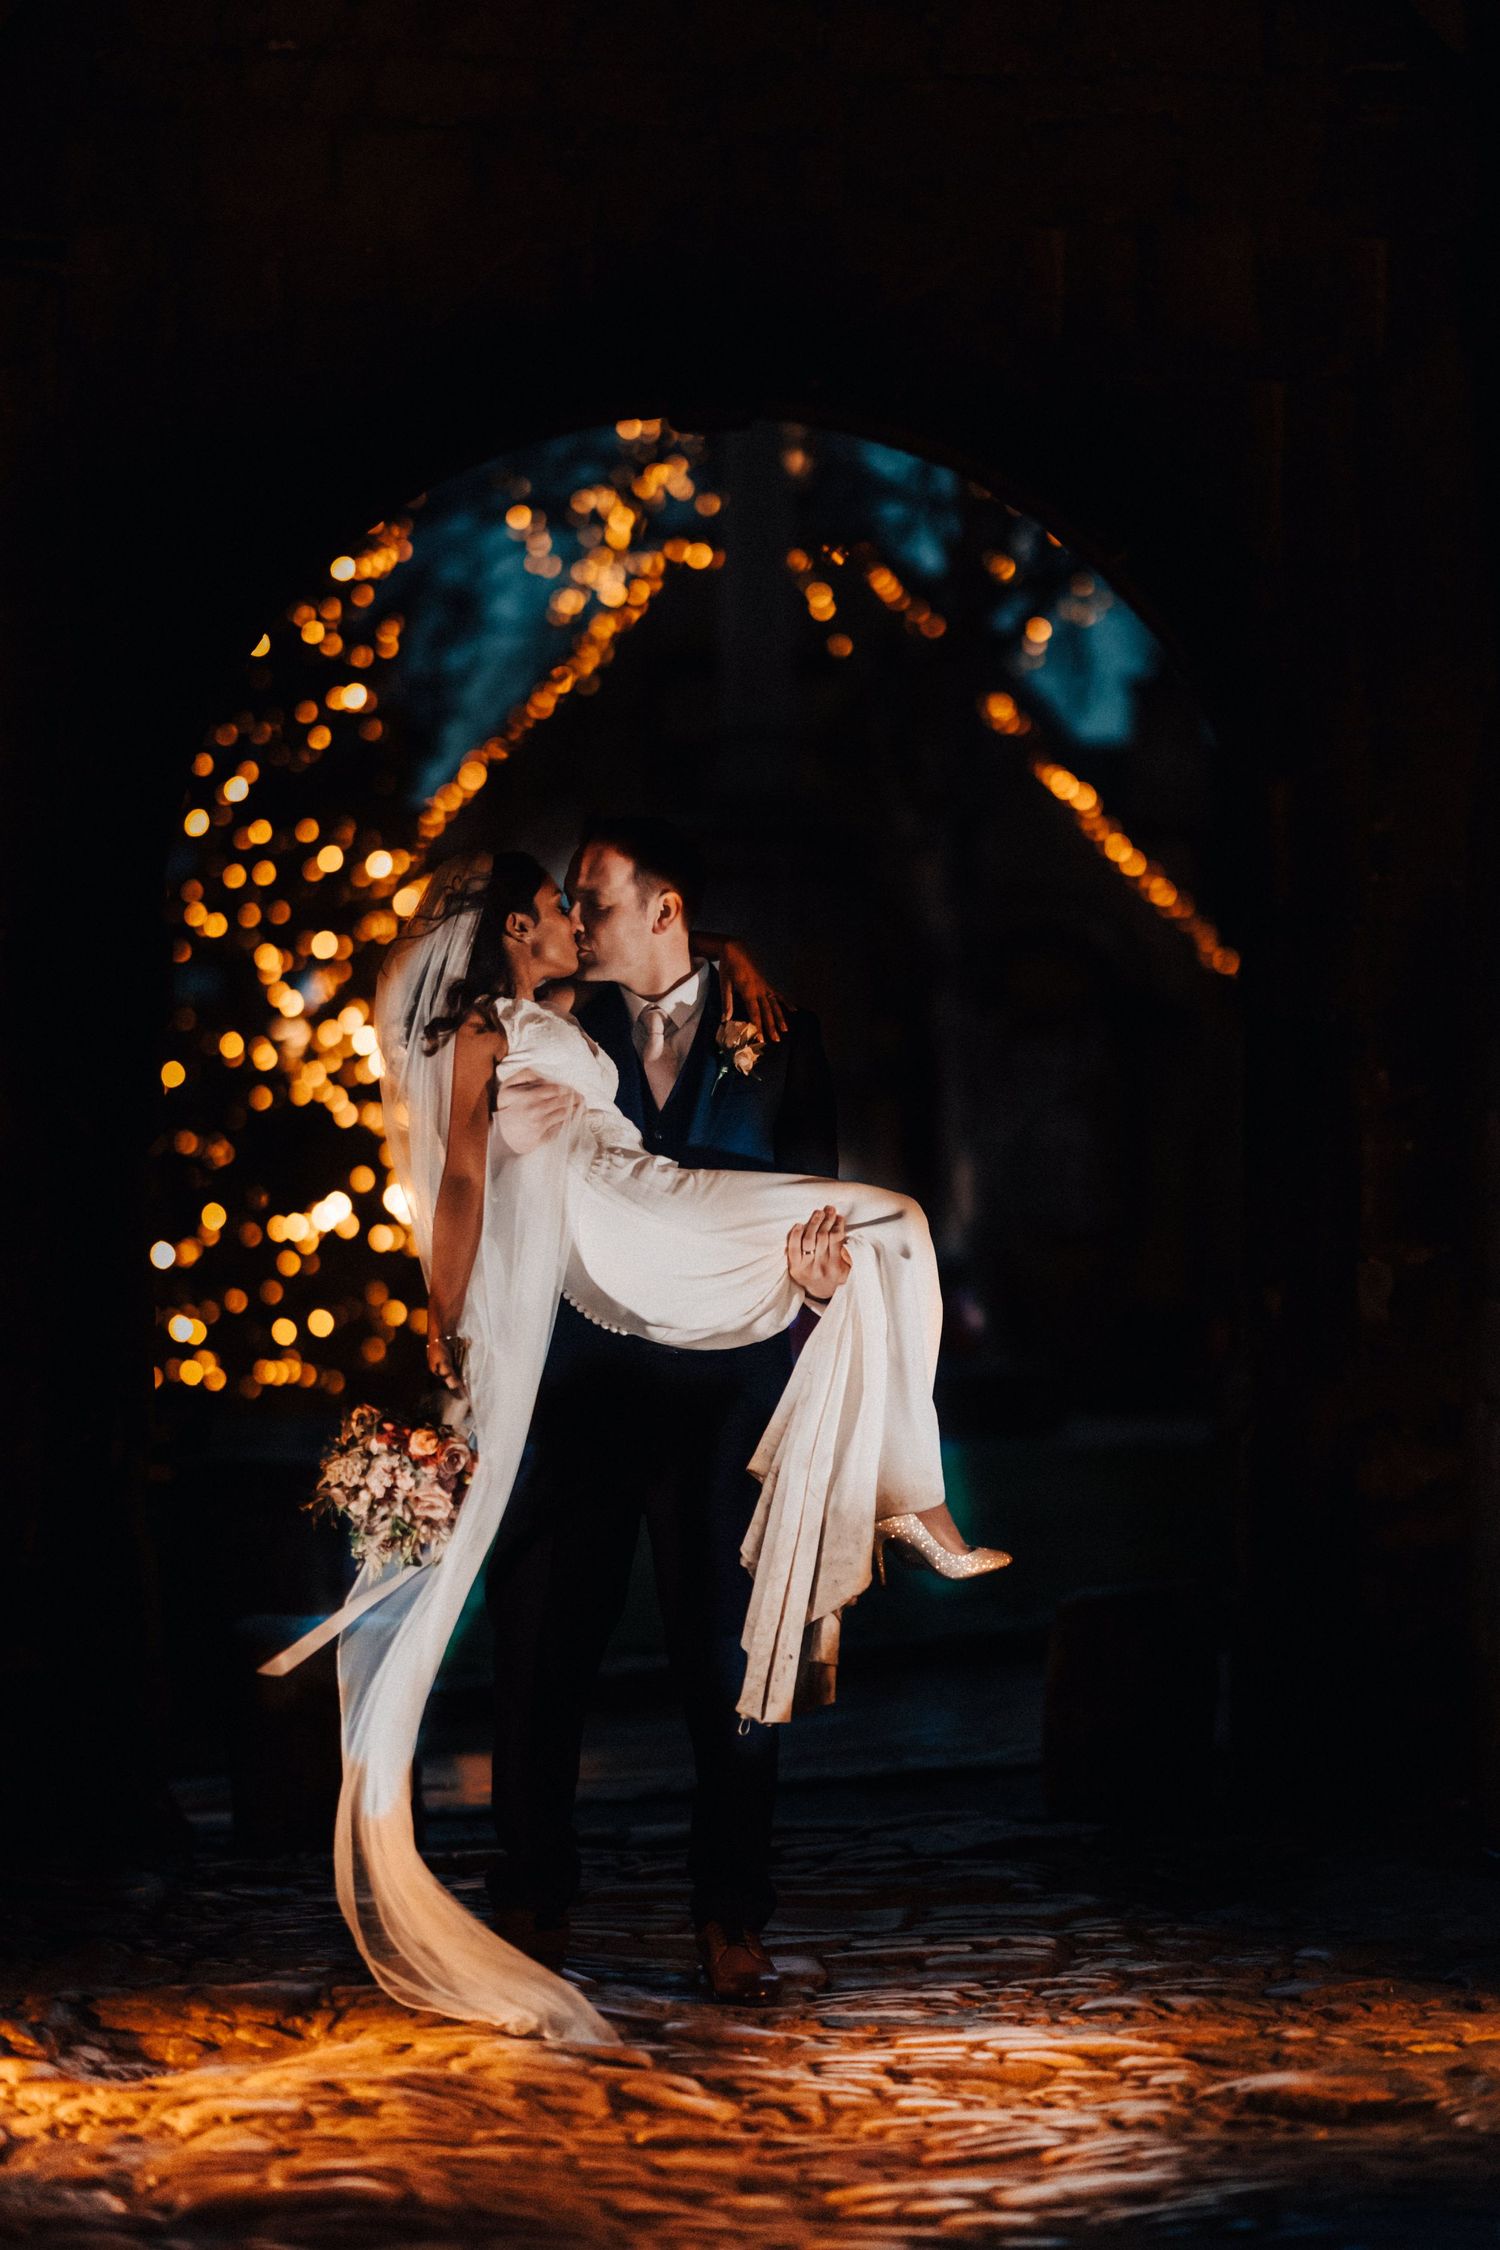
pixel 320 1635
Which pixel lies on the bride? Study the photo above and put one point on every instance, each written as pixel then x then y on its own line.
pixel 473 997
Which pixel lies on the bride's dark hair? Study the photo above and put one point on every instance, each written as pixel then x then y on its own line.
pixel 510 887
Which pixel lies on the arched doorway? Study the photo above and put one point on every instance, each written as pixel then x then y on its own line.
pixel 954 791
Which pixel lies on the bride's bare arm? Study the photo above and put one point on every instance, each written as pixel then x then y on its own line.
pixel 477 1048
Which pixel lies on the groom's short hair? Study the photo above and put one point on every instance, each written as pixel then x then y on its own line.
pixel 663 855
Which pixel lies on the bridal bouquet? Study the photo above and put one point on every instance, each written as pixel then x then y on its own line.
pixel 398 1488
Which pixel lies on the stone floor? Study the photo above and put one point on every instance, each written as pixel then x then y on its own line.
pixel 996 2029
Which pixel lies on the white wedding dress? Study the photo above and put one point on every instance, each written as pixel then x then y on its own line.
pixel 687 1257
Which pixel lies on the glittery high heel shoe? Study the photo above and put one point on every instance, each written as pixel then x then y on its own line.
pixel 921 1546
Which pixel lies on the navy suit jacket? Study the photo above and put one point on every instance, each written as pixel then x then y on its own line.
pixel 781 1118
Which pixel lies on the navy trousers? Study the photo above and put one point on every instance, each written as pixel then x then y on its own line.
pixel 624 1432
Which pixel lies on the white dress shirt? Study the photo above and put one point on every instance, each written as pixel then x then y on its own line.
pixel 681 1009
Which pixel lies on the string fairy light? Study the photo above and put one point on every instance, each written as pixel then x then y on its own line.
pixel 313 1044
pixel 917 614
pixel 592 648
pixel 1085 603
pixel 1133 866
pixel 614 574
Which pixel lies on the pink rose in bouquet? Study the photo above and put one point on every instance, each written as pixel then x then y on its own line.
pixel 434 1508
pixel 398 1488
pixel 455 1463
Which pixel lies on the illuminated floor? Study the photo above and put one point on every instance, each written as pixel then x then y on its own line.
pixel 997 2030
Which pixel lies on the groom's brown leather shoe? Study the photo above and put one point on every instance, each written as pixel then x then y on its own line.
pixel 736 1966
pixel 520 1926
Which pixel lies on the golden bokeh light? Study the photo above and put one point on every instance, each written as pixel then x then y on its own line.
pixel 310 901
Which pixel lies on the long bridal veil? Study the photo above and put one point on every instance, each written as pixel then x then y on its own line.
pixel 424 1948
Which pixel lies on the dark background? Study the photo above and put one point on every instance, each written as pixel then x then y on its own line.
pixel 1199 294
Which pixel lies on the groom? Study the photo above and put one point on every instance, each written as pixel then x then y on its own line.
pixel 626 1430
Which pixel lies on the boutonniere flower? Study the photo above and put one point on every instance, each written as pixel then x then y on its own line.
pixel 740 1048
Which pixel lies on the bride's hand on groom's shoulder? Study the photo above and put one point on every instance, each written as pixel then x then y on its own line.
pixel 748 996
pixel 529 1111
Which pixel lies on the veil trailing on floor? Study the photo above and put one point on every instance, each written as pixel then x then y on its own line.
pixel 422 1946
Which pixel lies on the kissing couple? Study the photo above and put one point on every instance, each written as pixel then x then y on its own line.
pixel 620 1219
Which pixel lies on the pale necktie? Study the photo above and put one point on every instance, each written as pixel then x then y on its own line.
pixel 658 1057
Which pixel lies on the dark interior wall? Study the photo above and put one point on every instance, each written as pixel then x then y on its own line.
pixel 1194 286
